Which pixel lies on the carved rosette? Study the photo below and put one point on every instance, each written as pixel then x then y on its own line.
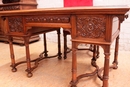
pixel 91 26
pixel 16 24
pixel 48 19
pixel 10 8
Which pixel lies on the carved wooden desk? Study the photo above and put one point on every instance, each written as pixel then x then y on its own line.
pixel 93 25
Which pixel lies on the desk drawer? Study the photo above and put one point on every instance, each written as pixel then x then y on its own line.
pixel 15 25
pixel 89 26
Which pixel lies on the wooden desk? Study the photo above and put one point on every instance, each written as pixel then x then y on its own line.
pixel 92 25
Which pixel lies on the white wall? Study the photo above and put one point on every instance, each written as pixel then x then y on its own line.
pixel 111 2
pixel 49 3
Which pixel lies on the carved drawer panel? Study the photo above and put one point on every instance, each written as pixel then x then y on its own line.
pixel 48 19
pixel 15 24
pixel 89 26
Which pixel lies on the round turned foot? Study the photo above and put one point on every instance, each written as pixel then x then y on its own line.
pixel 65 57
pixel 93 63
pixel 59 57
pixel 115 66
pixel 97 56
pixel 14 69
pixel 29 75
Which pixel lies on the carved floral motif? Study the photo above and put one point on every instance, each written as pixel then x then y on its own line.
pixel 91 26
pixel 48 19
pixel 15 24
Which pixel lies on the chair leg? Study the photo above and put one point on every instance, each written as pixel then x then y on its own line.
pixel 65 44
pixel 59 44
pixel 97 51
pixel 93 62
pixel 45 46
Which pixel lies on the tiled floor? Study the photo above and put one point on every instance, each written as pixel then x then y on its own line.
pixel 57 73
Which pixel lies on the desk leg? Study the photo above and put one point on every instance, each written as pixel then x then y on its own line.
pixel 106 66
pixel 74 66
pixel 13 65
pixel 26 40
pixel 115 62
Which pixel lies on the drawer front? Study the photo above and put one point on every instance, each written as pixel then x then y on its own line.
pixel 89 26
pixel 15 25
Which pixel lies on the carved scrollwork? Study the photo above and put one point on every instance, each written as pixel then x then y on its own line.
pixel 122 17
pixel 9 8
pixel 16 24
pixel 48 19
pixel 91 26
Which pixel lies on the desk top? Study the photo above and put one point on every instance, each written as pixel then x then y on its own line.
pixel 120 9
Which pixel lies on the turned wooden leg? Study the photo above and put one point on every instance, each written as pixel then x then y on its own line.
pixel 115 62
pixel 97 49
pixel 65 44
pixel 13 65
pixel 26 40
pixel 106 66
pixel 94 56
pixel 45 45
pixel 74 66
pixel 59 44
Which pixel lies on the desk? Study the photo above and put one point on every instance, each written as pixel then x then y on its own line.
pixel 92 25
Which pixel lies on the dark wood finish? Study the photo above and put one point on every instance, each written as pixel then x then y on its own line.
pixel 18 5
pixel 91 25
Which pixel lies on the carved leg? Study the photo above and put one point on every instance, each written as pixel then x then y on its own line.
pixel 106 66
pixel 13 65
pixel 45 45
pixel 91 47
pixel 93 62
pixel 59 45
pixel 65 44
pixel 115 62
pixel 97 56
pixel 74 66
pixel 26 40
pixel 45 52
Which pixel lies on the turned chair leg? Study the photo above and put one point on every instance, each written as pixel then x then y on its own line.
pixel 59 44
pixel 97 51
pixel 65 44
pixel 45 45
